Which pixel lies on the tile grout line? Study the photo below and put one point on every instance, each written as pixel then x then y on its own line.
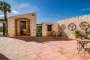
pixel 6 45
pixel 12 46
pixel 18 49
pixel 25 50
pixel 3 42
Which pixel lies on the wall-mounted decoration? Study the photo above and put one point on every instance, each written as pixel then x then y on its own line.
pixel 63 27
pixel 84 25
pixel 71 26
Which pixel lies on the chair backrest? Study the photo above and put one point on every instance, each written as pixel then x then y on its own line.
pixel 53 33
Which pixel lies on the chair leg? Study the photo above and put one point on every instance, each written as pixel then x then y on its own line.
pixel 53 36
pixel 80 48
pixel 57 37
pixel 77 45
pixel 84 53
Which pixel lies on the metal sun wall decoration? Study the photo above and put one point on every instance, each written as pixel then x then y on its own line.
pixel 71 26
pixel 84 25
pixel 63 27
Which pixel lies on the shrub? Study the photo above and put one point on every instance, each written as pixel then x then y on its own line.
pixel 77 33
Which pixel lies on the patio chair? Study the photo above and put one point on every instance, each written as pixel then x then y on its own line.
pixel 54 34
pixel 59 34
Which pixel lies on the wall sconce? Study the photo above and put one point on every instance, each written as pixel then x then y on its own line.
pixel 32 14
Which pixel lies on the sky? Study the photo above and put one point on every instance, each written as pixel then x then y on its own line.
pixel 49 10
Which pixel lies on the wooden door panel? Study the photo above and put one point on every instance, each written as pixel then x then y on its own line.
pixel 18 28
pixel 27 27
pixel 49 31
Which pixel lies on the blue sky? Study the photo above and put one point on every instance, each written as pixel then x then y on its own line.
pixel 50 10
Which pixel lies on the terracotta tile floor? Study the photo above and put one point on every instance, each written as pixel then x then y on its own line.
pixel 39 48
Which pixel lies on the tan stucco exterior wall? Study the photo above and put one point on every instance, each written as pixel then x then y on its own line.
pixel 44 27
pixel 76 21
pixel 11 24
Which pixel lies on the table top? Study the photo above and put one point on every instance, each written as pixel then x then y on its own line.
pixel 86 40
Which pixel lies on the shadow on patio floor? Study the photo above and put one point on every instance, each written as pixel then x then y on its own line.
pixel 42 39
pixel 2 57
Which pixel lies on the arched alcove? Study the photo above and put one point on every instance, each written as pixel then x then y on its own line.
pixel 22 27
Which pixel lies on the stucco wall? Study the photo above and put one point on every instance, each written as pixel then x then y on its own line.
pixel 44 27
pixel 76 21
pixel 11 24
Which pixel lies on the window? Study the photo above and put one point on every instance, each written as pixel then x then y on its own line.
pixel 23 24
pixel 49 28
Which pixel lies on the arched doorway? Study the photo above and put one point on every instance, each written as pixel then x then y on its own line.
pixel 22 27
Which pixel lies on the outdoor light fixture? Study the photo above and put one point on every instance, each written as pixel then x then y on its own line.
pixel 32 14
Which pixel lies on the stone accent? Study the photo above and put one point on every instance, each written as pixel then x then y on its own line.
pixel 76 21
pixel 11 23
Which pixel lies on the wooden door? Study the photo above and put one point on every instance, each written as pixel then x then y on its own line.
pixel 18 27
pixel 49 30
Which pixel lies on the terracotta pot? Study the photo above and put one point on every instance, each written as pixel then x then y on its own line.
pixel 77 36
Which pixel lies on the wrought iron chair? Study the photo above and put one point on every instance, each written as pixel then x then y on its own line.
pixel 54 34
pixel 59 35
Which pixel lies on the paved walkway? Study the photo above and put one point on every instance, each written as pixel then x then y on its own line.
pixel 39 48
pixel 1 34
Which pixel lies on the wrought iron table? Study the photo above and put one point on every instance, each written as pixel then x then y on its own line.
pixel 81 45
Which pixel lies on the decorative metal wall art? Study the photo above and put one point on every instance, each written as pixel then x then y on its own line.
pixel 63 27
pixel 71 26
pixel 84 25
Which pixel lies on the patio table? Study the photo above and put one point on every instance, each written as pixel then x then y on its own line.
pixel 82 44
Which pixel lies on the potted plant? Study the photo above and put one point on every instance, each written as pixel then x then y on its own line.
pixel 77 33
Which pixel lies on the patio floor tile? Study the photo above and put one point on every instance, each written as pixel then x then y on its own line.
pixel 61 57
pixel 40 56
pixel 31 57
pixel 75 58
pixel 53 55
pixel 39 48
